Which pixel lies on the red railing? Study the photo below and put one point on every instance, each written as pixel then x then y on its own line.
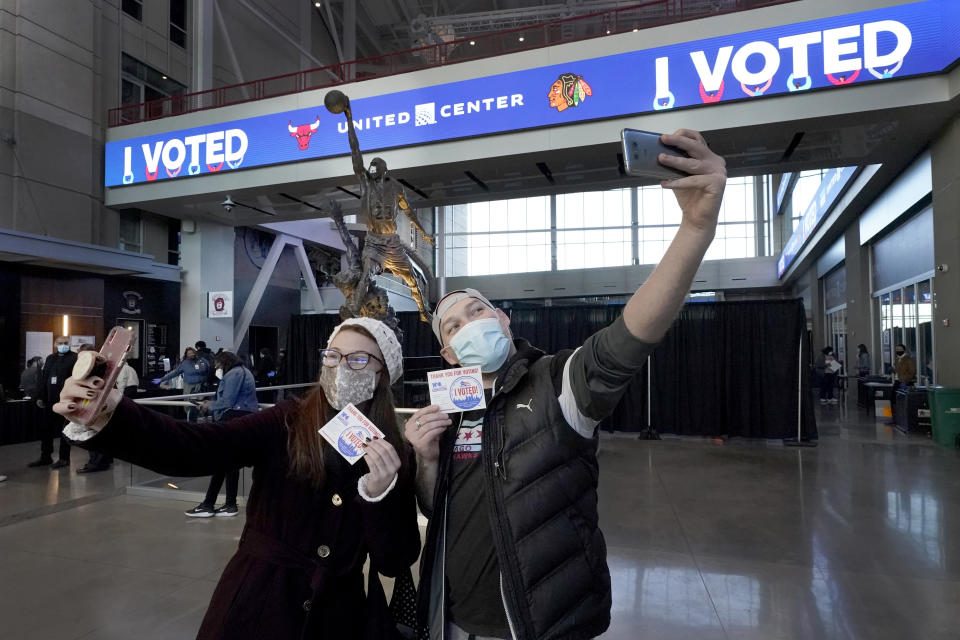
pixel 632 18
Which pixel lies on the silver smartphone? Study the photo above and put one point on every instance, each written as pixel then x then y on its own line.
pixel 640 152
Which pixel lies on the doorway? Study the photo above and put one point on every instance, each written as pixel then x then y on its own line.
pixel 260 338
pixel 135 359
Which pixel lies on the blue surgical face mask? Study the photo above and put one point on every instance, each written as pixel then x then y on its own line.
pixel 482 343
pixel 63 348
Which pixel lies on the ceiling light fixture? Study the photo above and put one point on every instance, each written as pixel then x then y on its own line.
pixel 520 38
pixel 472 43
pixel 635 29
pixel 164 77
pixel 608 31
pixel 316 4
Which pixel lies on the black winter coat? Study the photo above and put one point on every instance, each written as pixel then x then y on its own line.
pixel 59 366
pixel 540 479
pixel 298 571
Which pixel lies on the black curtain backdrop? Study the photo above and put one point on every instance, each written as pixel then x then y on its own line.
pixel 724 369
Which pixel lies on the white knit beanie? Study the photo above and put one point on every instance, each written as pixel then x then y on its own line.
pixel 386 340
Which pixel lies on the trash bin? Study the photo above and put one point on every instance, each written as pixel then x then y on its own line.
pixel 945 415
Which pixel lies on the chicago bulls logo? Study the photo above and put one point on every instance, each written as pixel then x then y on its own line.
pixel 303 133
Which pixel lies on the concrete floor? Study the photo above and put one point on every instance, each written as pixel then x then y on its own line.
pixel 858 538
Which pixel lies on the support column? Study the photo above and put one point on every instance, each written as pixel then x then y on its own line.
pixel 817 317
pixel 859 300
pixel 207 257
pixel 350 34
pixel 946 251
pixel 201 45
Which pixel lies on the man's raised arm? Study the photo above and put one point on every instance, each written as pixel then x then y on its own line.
pixel 652 309
pixel 596 376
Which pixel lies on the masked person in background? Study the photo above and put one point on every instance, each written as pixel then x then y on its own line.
pixel 312 518
pixel 236 397
pixel 905 367
pixel 195 371
pixel 56 369
pixel 513 547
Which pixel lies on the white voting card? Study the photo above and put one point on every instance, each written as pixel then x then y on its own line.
pixel 457 389
pixel 348 430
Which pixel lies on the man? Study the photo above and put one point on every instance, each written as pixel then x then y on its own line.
pixel 205 354
pixel 57 368
pixel 513 547
pixel 905 367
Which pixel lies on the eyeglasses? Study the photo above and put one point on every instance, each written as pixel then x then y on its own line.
pixel 357 360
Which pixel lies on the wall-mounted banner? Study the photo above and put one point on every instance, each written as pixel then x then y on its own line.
pixel 833 185
pixel 877 45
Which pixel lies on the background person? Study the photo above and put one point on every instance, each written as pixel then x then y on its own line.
pixel 863 361
pixel 56 369
pixel 904 367
pixel 265 375
pixel 513 546
pixel 827 374
pixel 194 370
pixel 312 518
pixel 31 378
pixel 236 397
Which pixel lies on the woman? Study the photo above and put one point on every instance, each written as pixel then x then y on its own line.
pixel 863 361
pixel 31 378
pixel 311 517
pixel 195 372
pixel 828 376
pixel 236 397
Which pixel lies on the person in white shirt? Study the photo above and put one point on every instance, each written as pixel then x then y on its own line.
pixel 127 382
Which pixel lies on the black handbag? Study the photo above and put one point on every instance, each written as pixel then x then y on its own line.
pixel 398 620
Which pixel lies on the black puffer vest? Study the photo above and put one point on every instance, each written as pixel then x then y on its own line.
pixel 541 483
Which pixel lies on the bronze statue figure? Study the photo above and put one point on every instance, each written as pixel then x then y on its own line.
pixel 381 202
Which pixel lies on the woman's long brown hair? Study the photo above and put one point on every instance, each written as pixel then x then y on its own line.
pixel 305 445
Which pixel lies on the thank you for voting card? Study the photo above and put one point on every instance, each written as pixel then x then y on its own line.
pixel 457 389
pixel 348 431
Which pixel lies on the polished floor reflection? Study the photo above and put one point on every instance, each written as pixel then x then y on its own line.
pixel 857 538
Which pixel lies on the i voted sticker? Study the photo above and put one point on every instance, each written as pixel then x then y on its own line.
pixel 457 389
pixel 348 431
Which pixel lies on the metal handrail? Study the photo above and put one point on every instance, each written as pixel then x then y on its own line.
pixel 644 15
pixel 180 401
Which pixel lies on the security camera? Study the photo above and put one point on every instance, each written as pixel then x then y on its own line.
pixel 228 205
pixel 942 267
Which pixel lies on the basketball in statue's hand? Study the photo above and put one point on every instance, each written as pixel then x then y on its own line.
pixel 336 101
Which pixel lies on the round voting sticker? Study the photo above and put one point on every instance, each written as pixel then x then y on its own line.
pixel 465 393
pixel 350 441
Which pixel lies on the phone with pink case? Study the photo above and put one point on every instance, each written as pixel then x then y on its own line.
pixel 110 361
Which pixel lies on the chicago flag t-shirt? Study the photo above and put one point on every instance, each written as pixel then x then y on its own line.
pixel 473 572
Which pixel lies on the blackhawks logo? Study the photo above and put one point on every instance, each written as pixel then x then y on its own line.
pixel 568 91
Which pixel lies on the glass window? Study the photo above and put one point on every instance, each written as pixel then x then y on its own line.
pixel 925 332
pixel 593 229
pixel 178 22
pixel 134 9
pixel 886 329
pixel 501 236
pixel 803 191
pixel 131 233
